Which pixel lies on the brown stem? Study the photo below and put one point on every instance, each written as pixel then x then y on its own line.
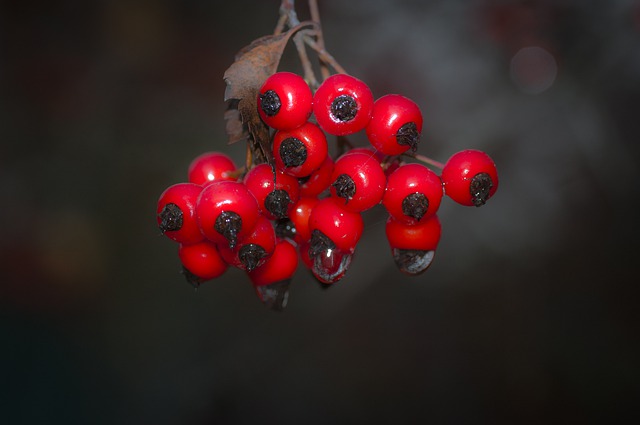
pixel 323 55
pixel 309 75
pixel 315 17
pixel 427 160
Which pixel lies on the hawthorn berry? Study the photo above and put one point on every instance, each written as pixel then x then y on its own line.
pixel 342 105
pixel 299 217
pixel 470 177
pixel 395 125
pixel 285 101
pixel 413 245
pixel 176 213
pixel 201 262
pixel 275 191
pixel 211 166
pixel 226 212
pixel 413 192
pixel 252 250
pixel 281 265
pixel 319 179
pixel 300 151
pixel 359 180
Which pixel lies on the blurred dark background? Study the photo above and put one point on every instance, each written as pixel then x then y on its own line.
pixel 528 314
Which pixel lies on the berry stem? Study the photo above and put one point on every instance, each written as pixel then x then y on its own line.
pixel 427 160
pixel 315 17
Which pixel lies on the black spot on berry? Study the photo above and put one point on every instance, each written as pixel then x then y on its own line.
pixel 270 103
pixel 344 108
pixel 408 135
pixel 250 255
pixel 293 152
pixel 228 224
pixel 479 188
pixel 415 205
pixel 171 218
pixel 277 203
pixel 412 261
pixel 345 187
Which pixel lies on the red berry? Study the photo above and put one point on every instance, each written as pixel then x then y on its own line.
pixel 252 250
pixel 211 166
pixel 201 262
pixel 226 212
pixel 176 213
pixel 299 216
pixel 284 101
pixel 470 177
pixel 319 179
pixel 359 179
pixel 342 228
pixel 300 151
pixel 395 126
pixel 413 246
pixel 279 267
pixel 275 191
pixel 413 193
pixel 342 105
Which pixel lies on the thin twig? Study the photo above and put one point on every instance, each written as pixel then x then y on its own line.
pixel 426 160
pixel 324 55
pixel 315 17
pixel 309 75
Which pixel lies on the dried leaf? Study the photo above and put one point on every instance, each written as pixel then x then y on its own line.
pixel 252 66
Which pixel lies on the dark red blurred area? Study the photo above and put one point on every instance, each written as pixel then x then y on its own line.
pixel 527 314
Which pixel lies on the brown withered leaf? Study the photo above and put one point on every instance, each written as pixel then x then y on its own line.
pixel 252 66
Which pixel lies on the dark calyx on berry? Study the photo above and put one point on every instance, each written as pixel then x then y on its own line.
pixel 171 218
pixel 319 243
pixel 270 103
pixel 415 205
pixel 285 228
pixel 293 152
pixel 412 261
pixel 250 255
pixel 274 295
pixel 277 203
pixel 408 135
pixel 479 188
pixel 228 224
pixel 191 278
pixel 344 108
pixel 345 187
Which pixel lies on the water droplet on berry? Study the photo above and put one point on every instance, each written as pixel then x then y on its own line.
pixel 330 265
pixel 275 295
pixel 412 261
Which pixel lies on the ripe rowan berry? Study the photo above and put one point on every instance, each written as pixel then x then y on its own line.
pixel 284 101
pixel 300 151
pixel 176 216
pixel 470 177
pixel 342 105
pixel 252 250
pixel 395 125
pixel 359 179
pixel 413 192
pixel 342 228
pixel 201 262
pixel 413 245
pixel 226 211
pixel 275 191
pixel 211 166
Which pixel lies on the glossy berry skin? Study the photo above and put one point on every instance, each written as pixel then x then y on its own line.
pixel 358 179
pixel 280 266
pixel 176 213
pixel 299 216
pixel 343 227
pixel 285 101
pixel 470 177
pixel 413 193
pixel 275 198
pixel 252 250
pixel 211 166
pixel 319 179
pixel 226 212
pixel 342 105
pixel 395 126
pixel 423 236
pixel 202 260
pixel 300 151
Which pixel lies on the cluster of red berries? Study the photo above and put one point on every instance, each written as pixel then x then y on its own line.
pixel 307 205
